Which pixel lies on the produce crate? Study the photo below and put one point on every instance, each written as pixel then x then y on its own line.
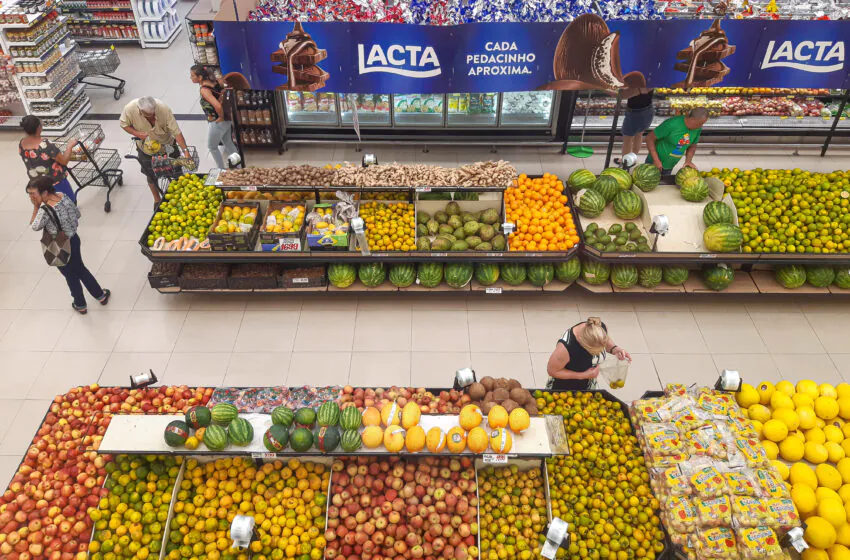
pixel 288 242
pixel 164 275
pixel 303 277
pixel 259 276
pixel 318 242
pixel 236 241
pixel 486 201
pixel 204 277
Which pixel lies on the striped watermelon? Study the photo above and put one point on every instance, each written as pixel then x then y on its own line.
pixel 458 275
pixel 790 276
pixel 820 276
pixel 198 417
pixel 842 278
pixel 176 433
pixel 350 441
pixel 430 274
pixel 649 276
pixel 718 277
pixel 594 272
pixel 591 203
pixel 402 275
pixel 513 273
pixel 722 238
pixel 620 175
pixel 349 418
pixel 276 438
pixel 674 275
pixel 224 413
pixel 569 271
pixel 646 177
pixel 624 276
pixel 695 190
pixel 627 205
pixel 486 274
pixel 372 274
pixel 215 438
pixel 240 432
pixel 328 414
pixel 342 275
pixel 607 186
pixel 685 174
pixel 541 274
pixel 305 417
pixel 716 212
pixel 580 179
pixel 283 416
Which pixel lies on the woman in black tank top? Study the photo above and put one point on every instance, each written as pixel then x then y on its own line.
pixel 638 118
pixel 574 365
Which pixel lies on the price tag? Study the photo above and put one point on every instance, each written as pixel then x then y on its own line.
pixel 248 188
pixel 201 44
pixel 602 117
pixel 115 9
pixel 783 118
pixel 439 254
pixel 494 459
pixel 291 245
pixel 300 280
pixel 493 290
pixel 263 455
pixel 495 254
pixel 423 189
pixel 708 256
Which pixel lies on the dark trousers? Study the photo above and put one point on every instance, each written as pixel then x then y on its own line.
pixel 77 276
pixel 64 186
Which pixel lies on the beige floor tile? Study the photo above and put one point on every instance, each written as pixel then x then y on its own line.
pixel 772 304
pixel 824 305
pixel 121 365
pixel 383 330
pixel 664 303
pixel 267 331
pixel 209 331
pixel 151 331
pixel 440 330
pixel 124 257
pixel 325 301
pixel 319 368
pixel 52 292
pixel 539 361
pixel 830 329
pixel 24 418
pixel 219 302
pixel 125 289
pixel 325 330
pixel 543 328
pixel 7 316
pixel 842 363
pixel 273 302
pixel 196 369
pixel 24 256
pixel 796 367
pixel 502 303
pixel 729 333
pixel 15 288
pixel 642 377
pixel 709 303
pixel 258 369
pixel 437 369
pixel 8 468
pixel 671 333
pixel 445 301
pixel 385 302
pixel 379 369
pixel 496 331
pixel 151 300
pixel 516 365
pixel 12 225
pixel 787 333
pixel 624 329
pixel 685 368
pixel 19 372
pixel 64 370
pixel 754 368
pixel 35 330
pixel 84 335
pixel 564 302
pixel 600 304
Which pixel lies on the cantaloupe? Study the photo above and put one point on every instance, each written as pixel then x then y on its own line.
pixel 456 440
pixel 470 417
pixel 414 441
pixel 410 415
pixel 435 440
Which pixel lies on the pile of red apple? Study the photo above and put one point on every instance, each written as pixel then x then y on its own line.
pixel 43 513
pixel 772 106
pixel 446 402
pixel 424 507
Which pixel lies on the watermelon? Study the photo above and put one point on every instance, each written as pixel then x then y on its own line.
pixel 458 275
pixel 486 274
pixel 718 277
pixel 568 271
pixel 240 432
pixel 716 212
pixel 820 276
pixel 176 433
pixel 722 238
pixel 301 439
pixel 686 173
pixel 591 203
pixel 283 416
pixel 215 438
pixel 341 275
pixel 198 417
pixel 695 191
pixel 349 418
pixel 620 175
pixel 541 274
pixel 627 205
pixel 842 278
pixel 607 186
pixel 326 438
pixel 790 276
pixel 328 414
pixel 594 272
pixel 430 274
pixel 402 275
pixel 305 417
pixel 276 438
pixel 350 441
pixel 649 276
pixel 580 179
pixel 372 274
pixel 646 177
pixel 513 273
pixel 224 413
pixel 624 275
pixel 674 275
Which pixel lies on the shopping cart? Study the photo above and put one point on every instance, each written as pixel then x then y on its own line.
pixel 91 165
pixel 99 64
pixel 166 165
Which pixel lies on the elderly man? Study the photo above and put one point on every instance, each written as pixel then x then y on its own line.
pixel 147 117
pixel 674 138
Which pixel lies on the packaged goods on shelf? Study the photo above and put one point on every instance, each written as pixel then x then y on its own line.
pixel 104 31
pixel 364 103
pixel 37 32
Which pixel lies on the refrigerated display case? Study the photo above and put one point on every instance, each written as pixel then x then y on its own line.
pixel 372 109
pixel 526 108
pixel 418 110
pixel 311 109
pixel 472 109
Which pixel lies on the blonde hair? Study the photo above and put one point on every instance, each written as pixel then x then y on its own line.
pixel 593 337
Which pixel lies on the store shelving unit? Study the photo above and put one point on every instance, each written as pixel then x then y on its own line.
pixel 257 120
pixel 148 23
pixel 90 164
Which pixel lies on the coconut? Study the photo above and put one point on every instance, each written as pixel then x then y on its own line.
pixel 488 382
pixel 486 406
pixel 502 383
pixel 476 391
pixel 488 396
pixel 514 384
pixel 520 395
pixel 500 395
pixel 510 405
pixel 531 409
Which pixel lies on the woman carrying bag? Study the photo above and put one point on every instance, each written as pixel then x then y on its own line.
pixel 55 214
pixel 574 365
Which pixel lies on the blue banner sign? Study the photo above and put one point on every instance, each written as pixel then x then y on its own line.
pixel 587 53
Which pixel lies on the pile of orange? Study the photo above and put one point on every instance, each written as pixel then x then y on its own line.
pixel 538 208
pixel 389 226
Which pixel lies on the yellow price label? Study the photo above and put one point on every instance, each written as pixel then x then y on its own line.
pixel 603 117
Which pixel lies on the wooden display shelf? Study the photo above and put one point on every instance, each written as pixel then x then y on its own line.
pixel 556 286
pixel 442 287
pixel 662 288
pixel 742 284
pixel 358 286
pixel 767 284
pixel 503 287
pixel 596 288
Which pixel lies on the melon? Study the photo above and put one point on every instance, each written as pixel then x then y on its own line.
pixel 650 276
pixel 371 417
pixel 470 416
pixel 477 440
pixel 341 275
pixel 240 432
pixel 519 420
pixel 695 191
pixel 591 203
pixel 430 274
pixel 373 436
pixel 790 276
pixel 675 275
pixel 198 417
pixel 513 274
pixel 410 415
pixel 328 414
pixel 301 440
pixel 456 440
pixel 402 275
pixel 394 438
pixel 541 274
pixel 276 438
pixel 627 205
pixel 350 441
pixel 326 438
pixel 580 179
pixel 722 238
pixel 569 271
pixel 718 277
pixel 283 416
pixel 646 177
pixel 176 433
pixel 501 440
pixel 624 276
pixel 372 274
pixel 842 278
pixel 305 417
pixel 350 417
pixel 607 186
pixel 215 437
pixel 624 180
pixel 435 440
pixel 716 212
pixel 486 274
pixel 820 276
pixel 458 275
pixel 497 417
pixel 594 272
pixel 414 441
pixel 685 174
pixel 223 413
pixel 391 414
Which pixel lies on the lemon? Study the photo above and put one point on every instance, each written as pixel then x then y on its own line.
pixel 826 408
pixel 804 498
pixel 843 535
pixel 843 390
pixel 833 434
pixel 844 407
pixel 798 434
pixel 819 533
pixel 843 467
pixel 759 412
pixel 785 472
pixel 765 391
pixel 827 390
pixel 802 473
pixel 780 400
pixel 835 451
pixel 758 427
pixel 844 493
pixel 785 387
pixel 775 430
pixel 815 453
pixel 819 423
pixel 806 416
pixel 814 554
pixel 771 449
pixel 808 387
pixel 816 435
pixel 788 417
pixel 801 399
pixel 845 429
pixel 845 445
pixel 829 477
pixel 747 396
pixel 823 493
pixel 838 552
pixel 791 449
pixel 833 511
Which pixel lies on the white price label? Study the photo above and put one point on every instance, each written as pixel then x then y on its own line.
pixel 493 290
pixel 439 254
pixel 300 280
pixel 249 188
pixel 291 245
pixel 495 459
pixel 708 256
pixel 495 254
pixel 263 455
pixel 423 189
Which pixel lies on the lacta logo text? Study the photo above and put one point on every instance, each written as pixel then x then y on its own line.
pixel 809 56
pixel 411 61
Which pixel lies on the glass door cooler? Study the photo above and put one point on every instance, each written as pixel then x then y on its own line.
pixel 372 109
pixel 311 109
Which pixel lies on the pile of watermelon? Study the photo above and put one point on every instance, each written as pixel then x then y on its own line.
pixel 794 276
pixel 721 235
pixel 324 429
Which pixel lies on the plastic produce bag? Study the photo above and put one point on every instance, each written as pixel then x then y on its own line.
pixel 614 371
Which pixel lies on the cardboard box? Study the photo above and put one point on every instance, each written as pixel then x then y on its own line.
pixel 164 275
pixel 303 277
pixel 319 242
pixel 288 242
pixel 742 284
pixel 485 201
pixel 238 240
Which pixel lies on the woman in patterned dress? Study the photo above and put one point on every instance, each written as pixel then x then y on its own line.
pixel 44 159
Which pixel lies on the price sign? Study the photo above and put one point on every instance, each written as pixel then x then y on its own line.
pixel 439 254
pixel 300 280
pixel 423 189
pixel 708 256
pixel 602 117
pixel 263 455
pixel 495 459
pixel 290 245
pixel 248 188
pixel 495 254
pixel 115 8
pixel 493 290
pixel 201 44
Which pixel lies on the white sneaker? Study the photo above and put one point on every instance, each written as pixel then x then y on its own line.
pixel 234 159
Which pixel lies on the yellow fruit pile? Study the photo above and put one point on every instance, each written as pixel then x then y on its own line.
pixel 233 217
pixel 806 433
pixel 287 219
pixel 281 196
pixel 287 500
pixel 389 226
pixel 602 488
pixel 189 209
pixel 513 512
pixel 538 208
pixel 129 521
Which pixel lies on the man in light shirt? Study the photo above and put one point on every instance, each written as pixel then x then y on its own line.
pixel 145 118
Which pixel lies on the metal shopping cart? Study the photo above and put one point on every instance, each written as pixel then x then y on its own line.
pixel 90 164
pixel 166 165
pixel 99 64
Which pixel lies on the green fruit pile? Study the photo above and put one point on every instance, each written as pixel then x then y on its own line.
pixel 790 210
pixel 620 238
pixel 188 210
pixel 129 522
pixel 515 507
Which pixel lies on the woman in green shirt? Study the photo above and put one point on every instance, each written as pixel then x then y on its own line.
pixel 674 138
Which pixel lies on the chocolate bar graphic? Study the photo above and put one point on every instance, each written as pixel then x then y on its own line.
pixel 705 72
pixel 712 55
pixel 302 87
pixel 701 60
pixel 297 60
pixel 306 58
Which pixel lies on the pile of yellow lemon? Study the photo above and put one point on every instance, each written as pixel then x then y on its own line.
pixel 389 226
pixel 805 430
pixel 287 501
